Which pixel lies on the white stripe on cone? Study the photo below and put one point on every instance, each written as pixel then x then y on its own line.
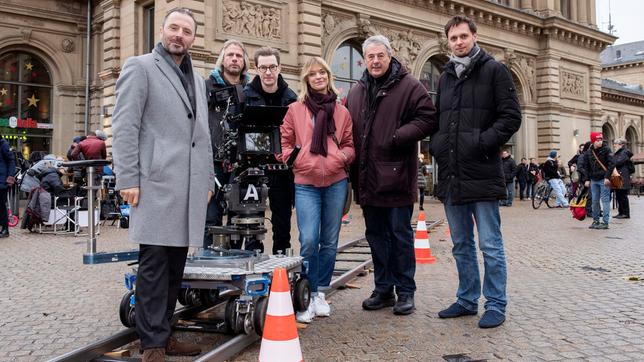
pixel 283 351
pixel 421 225
pixel 421 243
pixel 279 304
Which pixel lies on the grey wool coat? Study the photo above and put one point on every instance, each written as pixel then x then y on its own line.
pixel 162 148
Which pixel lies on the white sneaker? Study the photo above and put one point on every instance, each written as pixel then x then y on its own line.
pixel 308 315
pixel 322 308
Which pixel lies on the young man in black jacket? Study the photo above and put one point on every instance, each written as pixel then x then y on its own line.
pixel 597 165
pixel 478 113
pixel 268 88
pixel 509 173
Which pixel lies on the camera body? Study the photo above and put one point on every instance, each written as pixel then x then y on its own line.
pixel 250 141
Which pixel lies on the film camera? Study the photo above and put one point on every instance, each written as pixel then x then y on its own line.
pixel 250 141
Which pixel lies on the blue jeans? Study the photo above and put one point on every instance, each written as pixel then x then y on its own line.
pixel 391 239
pixel 600 193
pixel 509 192
pixel 560 191
pixel 530 190
pixel 488 222
pixel 319 216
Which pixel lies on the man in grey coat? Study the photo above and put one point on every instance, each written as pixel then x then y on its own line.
pixel 163 159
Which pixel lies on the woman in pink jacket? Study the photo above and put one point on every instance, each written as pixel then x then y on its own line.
pixel 323 129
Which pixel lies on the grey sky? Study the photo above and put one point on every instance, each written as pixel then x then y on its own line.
pixel 626 18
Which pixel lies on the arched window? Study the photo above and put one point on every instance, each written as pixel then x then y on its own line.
pixel 429 76
pixel 631 138
pixel 608 133
pixel 25 102
pixel 347 66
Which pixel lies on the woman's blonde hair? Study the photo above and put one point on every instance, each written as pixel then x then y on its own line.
pixel 304 77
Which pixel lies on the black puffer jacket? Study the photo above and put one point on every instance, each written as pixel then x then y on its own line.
pixel 622 158
pixel 256 97
pixel 478 114
pixel 592 169
pixel 509 169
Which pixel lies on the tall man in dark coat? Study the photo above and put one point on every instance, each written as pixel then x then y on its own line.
pixel 625 167
pixel 478 113
pixel 391 112
pixel 164 160
pixel 268 88
pixel 509 173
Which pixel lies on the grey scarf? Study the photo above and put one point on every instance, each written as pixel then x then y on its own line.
pixel 184 72
pixel 462 63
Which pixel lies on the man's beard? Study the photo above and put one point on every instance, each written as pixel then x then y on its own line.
pixel 172 49
pixel 232 71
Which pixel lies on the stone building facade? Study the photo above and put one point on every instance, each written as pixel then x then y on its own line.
pixel 551 47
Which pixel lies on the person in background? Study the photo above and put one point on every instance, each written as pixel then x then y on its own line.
pixel 523 178
pixel 533 177
pixel 92 148
pixel 509 172
pixel 322 129
pixel 598 165
pixel 625 168
pixel 7 170
pixel 550 170
pixel 422 180
pixel 268 88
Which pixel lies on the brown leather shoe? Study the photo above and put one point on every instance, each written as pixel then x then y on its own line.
pixel 154 355
pixel 176 348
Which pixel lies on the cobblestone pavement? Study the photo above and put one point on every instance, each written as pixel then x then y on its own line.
pixel 569 297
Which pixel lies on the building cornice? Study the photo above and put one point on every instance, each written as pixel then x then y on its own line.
pixel 622 97
pixel 44 14
pixel 633 64
pixel 520 22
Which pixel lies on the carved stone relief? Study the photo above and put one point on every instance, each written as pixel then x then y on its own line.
pixel 527 67
pixel 406 45
pixel 67 45
pixel 255 20
pixel 573 85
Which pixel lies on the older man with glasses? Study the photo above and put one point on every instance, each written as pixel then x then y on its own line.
pixel 268 88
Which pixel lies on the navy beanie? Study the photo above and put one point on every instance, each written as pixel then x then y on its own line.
pixel 553 154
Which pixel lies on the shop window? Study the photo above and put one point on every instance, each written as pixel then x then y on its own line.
pixel 25 101
pixel 347 67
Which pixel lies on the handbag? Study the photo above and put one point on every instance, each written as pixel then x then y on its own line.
pixel 616 181
pixel 349 195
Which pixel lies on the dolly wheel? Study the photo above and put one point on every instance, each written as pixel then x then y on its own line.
pixel 126 311
pixel 301 294
pixel 230 316
pixel 259 315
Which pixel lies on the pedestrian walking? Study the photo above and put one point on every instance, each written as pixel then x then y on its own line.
pixel 321 127
pixel 7 170
pixel 422 180
pixel 479 112
pixel 598 165
pixel 626 168
pixel 163 155
pixel 509 173
pixel 523 178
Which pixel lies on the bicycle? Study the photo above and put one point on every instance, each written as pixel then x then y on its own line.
pixel 543 193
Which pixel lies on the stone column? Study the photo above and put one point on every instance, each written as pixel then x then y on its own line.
pixel 592 17
pixel 526 5
pixel 595 97
pixel 309 29
pixel 111 60
pixel 582 14
pixel 573 10
pixel 548 104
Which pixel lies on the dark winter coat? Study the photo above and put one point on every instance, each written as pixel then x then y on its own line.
pixel 7 163
pixel 522 173
pixel 478 114
pixel 533 167
pixel 622 158
pixel 386 131
pixel 51 182
pixel 592 169
pixel 550 169
pixel 509 169
pixel 255 96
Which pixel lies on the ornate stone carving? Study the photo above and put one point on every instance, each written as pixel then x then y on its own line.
pixel 405 44
pixel 245 18
pixel 527 67
pixel 365 28
pixel 329 24
pixel 26 34
pixel 67 45
pixel 443 44
pixel 509 58
pixel 573 85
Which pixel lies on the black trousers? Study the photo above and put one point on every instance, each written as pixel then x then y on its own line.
pixel 623 208
pixel 391 239
pixel 421 197
pixel 4 216
pixel 158 282
pixel 280 197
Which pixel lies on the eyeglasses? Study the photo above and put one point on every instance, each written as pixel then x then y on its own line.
pixel 263 68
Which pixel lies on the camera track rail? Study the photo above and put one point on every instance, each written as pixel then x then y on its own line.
pixel 353 260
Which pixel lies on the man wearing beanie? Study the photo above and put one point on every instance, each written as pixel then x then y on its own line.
pixel 551 174
pixel 478 113
pixel 597 166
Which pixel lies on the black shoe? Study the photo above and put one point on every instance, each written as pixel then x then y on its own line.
pixel 594 224
pixel 4 233
pixel 455 310
pixel 404 305
pixel 378 301
pixel 621 217
pixel 491 319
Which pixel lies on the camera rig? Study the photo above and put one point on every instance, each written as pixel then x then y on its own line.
pixel 250 141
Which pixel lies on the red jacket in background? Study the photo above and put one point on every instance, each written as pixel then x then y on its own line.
pixel 92 148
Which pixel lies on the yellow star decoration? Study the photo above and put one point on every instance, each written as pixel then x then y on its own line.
pixel 29 66
pixel 33 101
pixel 3 91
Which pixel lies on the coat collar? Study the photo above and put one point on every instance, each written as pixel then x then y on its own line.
pixel 172 76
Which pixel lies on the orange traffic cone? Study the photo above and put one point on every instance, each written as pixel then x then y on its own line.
pixel 280 341
pixel 421 243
